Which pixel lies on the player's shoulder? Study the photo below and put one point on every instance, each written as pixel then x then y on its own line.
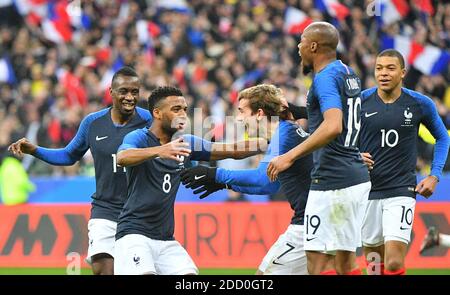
pixel 91 117
pixel 417 96
pixel 336 70
pixel 144 114
pixel 365 94
pixel 141 132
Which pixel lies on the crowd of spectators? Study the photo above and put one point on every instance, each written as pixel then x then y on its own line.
pixel 210 50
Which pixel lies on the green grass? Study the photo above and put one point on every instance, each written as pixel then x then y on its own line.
pixel 204 271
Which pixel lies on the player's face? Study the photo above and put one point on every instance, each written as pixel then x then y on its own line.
pixel 388 73
pixel 125 93
pixel 247 117
pixel 305 54
pixel 174 114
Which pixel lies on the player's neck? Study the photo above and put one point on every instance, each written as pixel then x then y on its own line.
pixel 268 131
pixel 322 61
pixel 118 118
pixel 390 96
pixel 160 134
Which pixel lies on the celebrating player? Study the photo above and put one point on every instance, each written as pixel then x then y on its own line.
pixel 145 242
pixel 102 132
pixel 340 181
pixel 263 103
pixel 391 116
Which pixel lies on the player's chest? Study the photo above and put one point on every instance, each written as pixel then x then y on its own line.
pixel 166 166
pixel 398 116
pixel 105 141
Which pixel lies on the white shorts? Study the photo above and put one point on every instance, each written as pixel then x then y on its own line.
pixel 138 254
pixel 287 256
pixel 388 219
pixel 333 219
pixel 101 233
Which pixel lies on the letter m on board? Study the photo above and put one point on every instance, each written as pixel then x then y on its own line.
pixel 44 232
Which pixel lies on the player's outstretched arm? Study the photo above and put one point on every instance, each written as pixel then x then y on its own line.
pixel 61 157
pixel 238 150
pixel 130 155
pixel 328 130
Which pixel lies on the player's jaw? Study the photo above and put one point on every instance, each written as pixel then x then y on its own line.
pixel 127 105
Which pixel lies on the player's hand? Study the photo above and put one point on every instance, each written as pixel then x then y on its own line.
pixel 277 165
pixel 22 146
pixel 209 188
pixel 367 158
pixel 174 150
pixel 197 176
pixel 427 186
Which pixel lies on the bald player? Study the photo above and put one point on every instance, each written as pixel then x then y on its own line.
pixel 340 181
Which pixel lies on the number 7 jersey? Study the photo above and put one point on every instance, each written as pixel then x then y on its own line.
pixel 389 132
pixel 338 164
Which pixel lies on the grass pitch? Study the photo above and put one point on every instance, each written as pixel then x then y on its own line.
pixel 205 271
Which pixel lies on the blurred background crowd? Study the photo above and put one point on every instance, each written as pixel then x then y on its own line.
pixel 59 57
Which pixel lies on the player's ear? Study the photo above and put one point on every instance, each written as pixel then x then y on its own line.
pixel 314 46
pixel 157 114
pixel 259 114
pixel 403 73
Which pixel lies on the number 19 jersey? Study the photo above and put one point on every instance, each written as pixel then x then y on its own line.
pixel 338 164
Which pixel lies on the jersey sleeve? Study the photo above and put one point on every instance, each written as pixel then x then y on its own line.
pixel 145 115
pixel 268 189
pixel 437 128
pixel 327 91
pixel 72 152
pixel 201 149
pixel 246 177
pixel 133 140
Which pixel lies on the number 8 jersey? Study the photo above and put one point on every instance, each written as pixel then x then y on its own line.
pixel 153 186
pixel 389 132
pixel 338 164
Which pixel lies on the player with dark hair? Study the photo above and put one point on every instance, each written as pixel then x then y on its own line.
pixel 340 181
pixel 259 103
pixel 102 132
pixel 391 116
pixel 154 159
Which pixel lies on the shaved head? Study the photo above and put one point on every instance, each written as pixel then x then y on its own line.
pixel 324 34
pixel 317 46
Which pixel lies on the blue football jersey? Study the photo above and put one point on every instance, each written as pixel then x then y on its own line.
pixel 152 187
pixel 98 133
pixel 389 132
pixel 338 164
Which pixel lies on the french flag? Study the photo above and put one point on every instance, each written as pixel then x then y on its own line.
pixel 333 7
pixel 430 60
pixel 295 21
pixel 57 26
pixel 392 11
pixel 6 71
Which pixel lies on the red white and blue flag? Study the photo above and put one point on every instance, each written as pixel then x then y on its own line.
pixel 392 11
pixel 295 21
pixel 428 59
pixel 334 8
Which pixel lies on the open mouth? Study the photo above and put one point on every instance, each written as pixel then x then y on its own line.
pixel 128 105
pixel 384 82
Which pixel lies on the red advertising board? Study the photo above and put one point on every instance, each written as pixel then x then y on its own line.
pixel 216 235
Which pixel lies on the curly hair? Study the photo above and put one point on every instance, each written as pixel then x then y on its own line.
pixel 161 92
